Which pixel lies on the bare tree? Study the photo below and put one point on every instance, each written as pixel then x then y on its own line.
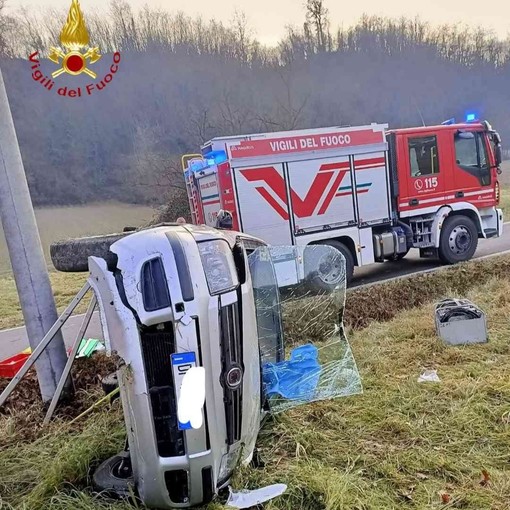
pixel 317 17
pixel 3 29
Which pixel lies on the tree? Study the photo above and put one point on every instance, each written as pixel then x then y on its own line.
pixel 317 17
pixel 4 25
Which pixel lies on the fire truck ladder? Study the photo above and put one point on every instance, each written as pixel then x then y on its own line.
pixel 190 188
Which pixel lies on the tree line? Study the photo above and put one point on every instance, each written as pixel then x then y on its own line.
pixel 183 80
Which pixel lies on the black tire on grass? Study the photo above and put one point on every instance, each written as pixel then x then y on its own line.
pixel 109 479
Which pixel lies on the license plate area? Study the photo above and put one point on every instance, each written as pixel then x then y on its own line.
pixel 181 363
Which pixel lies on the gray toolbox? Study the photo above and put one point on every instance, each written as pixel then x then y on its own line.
pixel 460 322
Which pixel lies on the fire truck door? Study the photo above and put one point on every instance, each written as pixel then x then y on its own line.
pixel 422 172
pixel 472 172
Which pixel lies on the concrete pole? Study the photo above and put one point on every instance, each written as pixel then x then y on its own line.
pixel 26 254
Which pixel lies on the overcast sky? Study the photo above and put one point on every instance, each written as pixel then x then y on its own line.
pixel 269 17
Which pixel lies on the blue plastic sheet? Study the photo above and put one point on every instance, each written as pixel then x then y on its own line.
pixel 296 378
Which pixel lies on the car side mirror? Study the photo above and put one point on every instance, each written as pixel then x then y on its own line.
pixel 498 154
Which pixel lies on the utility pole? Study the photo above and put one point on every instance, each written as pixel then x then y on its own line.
pixel 26 254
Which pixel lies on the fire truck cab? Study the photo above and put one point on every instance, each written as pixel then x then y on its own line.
pixel 370 192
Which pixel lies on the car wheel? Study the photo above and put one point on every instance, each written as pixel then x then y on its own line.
pixel 115 476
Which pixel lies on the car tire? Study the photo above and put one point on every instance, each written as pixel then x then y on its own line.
pixel 458 241
pixel 321 283
pixel 108 479
pixel 71 255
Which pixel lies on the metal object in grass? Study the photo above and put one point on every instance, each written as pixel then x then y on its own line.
pixel 70 360
pixel 460 322
pixel 43 344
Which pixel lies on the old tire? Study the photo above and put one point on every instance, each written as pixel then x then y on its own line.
pixel 110 478
pixel 459 240
pixel 327 278
pixel 71 255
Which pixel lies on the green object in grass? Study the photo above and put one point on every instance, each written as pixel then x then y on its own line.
pixel 88 346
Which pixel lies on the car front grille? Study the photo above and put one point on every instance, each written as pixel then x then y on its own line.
pixel 232 370
pixel 158 344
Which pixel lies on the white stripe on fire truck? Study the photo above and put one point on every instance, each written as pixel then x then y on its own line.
pixel 449 197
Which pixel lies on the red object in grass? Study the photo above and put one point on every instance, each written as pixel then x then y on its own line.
pixel 9 367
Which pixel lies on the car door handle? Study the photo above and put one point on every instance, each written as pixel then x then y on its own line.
pixel 459 194
pixel 414 201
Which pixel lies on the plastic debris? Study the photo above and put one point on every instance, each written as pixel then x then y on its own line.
pixel 429 376
pixel 88 346
pixel 249 499
pixel 296 378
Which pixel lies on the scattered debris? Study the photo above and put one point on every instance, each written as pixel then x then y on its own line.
pixel 485 478
pixel 9 367
pixel 445 498
pixel 88 346
pixel 249 499
pixel 460 322
pixel 429 376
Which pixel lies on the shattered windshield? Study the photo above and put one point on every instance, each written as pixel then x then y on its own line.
pixel 300 298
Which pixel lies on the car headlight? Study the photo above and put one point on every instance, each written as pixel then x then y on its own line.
pixel 229 462
pixel 219 267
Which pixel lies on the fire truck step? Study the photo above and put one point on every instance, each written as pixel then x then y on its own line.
pixel 491 232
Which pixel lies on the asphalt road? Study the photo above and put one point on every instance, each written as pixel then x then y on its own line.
pixel 13 341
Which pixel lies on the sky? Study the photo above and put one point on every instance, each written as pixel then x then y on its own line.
pixel 268 18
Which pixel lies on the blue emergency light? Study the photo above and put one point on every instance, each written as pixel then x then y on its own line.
pixel 471 117
pixel 216 157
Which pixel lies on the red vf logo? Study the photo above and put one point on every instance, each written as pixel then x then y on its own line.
pixel 326 182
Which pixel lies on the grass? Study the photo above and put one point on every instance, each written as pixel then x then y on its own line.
pixel 65 286
pixel 505 201
pixel 57 223
pixel 400 445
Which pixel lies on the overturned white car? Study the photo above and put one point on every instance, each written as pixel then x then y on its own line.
pixel 177 298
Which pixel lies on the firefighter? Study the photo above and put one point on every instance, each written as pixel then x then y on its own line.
pixel 224 220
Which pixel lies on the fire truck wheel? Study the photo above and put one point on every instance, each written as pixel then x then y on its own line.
pixel 330 273
pixel 459 240
pixel 71 255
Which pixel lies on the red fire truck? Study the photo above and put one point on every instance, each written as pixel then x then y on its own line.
pixel 370 192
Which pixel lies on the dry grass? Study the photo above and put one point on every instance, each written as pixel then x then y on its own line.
pixel 65 286
pixel 57 223
pixel 384 301
pixel 400 445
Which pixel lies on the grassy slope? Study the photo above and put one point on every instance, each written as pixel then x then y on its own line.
pixel 402 443
pixel 397 446
pixel 57 223
pixel 65 287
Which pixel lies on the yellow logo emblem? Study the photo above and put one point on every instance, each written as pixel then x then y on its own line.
pixel 74 38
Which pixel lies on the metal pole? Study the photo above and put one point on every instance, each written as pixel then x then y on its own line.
pixel 41 347
pixel 70 360
pixel 26 254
